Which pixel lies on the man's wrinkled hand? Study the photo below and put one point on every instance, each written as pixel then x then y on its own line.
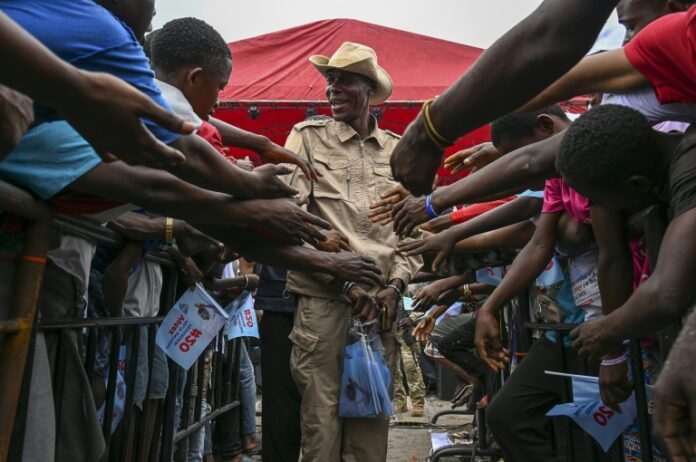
pixel 16 114
pixel 415 159
pixel 388 301
pixel 475 158
pixel 487 341
pixel 364 306
pixel 350 266
pixel 382 209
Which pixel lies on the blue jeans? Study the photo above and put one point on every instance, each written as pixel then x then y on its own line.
pixel 247 394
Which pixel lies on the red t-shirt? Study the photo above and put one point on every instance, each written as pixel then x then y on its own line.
pixel 665 53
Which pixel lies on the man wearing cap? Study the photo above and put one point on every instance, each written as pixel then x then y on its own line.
pixel 352 154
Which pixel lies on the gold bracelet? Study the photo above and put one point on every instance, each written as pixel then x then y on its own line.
pixel 169 229
pixel 431 127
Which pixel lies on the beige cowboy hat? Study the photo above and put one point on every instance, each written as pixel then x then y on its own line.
pixel 360 59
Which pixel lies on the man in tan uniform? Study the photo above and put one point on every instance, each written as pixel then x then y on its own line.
pixel 352 153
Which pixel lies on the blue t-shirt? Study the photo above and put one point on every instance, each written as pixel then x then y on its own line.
pixel 89 37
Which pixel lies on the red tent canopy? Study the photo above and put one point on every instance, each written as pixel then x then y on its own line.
pixel 273 86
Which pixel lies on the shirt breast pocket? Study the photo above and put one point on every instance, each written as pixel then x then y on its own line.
pixel 334 182
pixel 382 180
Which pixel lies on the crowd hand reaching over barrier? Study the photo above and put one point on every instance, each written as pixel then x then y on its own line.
pixel 265 183
pixel 675 397
pixel 364 305
pixel 335 242
pixel 16 114
pixel 382 209
pixel 275 154
pixel 350 266
pixel 108 112
pixel 440 244
pixel 474 158
pixel 422 331
pixel 427 296
pixel 408 214
pixel 487 341
pixel 104 109
pixel 286 218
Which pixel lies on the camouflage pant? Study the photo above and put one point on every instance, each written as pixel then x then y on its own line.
pixel 414 377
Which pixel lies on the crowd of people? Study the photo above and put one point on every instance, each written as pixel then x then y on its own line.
pixel 109 120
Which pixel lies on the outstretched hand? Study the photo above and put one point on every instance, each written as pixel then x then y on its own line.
pixel 275 154
pixel 487 341
pixel 475 158
pixel 382 209
pixel 107 112
pixel 265 183
pixel 408 214
pixel 440 244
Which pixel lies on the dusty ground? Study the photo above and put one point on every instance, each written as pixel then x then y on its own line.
pixel 409 437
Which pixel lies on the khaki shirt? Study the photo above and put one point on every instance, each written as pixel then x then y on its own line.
pixel 355 173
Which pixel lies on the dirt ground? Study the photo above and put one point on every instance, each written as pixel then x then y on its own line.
pixel 410 437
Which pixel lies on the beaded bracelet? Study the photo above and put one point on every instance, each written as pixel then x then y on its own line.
pixel 616 361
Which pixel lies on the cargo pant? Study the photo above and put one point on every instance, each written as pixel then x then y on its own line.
pixel 319 338
pixel 412 372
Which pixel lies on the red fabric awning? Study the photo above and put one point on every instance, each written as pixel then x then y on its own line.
pixel 273 86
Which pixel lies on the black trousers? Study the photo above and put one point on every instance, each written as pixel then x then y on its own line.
pixel 280 425
pixel 517 414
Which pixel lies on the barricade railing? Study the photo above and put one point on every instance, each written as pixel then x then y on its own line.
pixel 17 328
pixel 149 433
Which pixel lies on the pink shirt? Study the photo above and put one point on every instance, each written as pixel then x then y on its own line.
pixel 559 197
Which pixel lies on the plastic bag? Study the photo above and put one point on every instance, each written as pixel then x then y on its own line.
pixel 366 379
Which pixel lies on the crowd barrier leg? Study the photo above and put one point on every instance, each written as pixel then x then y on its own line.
pixel 19 326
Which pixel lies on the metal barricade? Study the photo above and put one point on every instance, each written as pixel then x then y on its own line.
pixel 147 434
pixel 18 327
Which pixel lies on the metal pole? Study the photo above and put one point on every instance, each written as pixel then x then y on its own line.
pixel 15 347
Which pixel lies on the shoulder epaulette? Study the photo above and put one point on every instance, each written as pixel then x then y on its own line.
pixel 314 122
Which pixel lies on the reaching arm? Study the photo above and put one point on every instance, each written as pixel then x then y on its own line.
pixel 529 263
pixel 608 72
pixel 265 148
pixel 525 168
pixel 442 243
pixel 554 38
pixel 615 278
pixel 667 294
pixel 206 168
pixel 103 108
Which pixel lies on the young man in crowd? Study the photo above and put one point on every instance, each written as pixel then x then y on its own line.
pixel 352 154
pixel 615 158
pixel 517 413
